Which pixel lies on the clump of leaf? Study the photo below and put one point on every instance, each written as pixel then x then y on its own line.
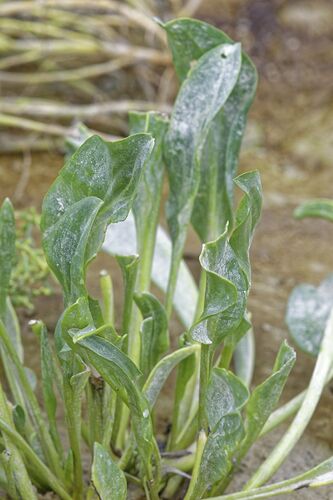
pixel 107 380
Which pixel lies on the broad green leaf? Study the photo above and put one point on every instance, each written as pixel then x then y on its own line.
pixel 226 393
pixel 189 39
pixel 154 330
pixel 96 187
pixel 121 239
pixel 201 96
pixel 307 313
pixel 220 447
pixel 7 250
pixel 265 396
pixel 117 370
pixel 162 370
pixel 108 479
pixel 65 245
pixel 321 208
pixel 228 276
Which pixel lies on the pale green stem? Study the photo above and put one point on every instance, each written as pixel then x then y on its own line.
pixel 204 379
pixel 226 356
pixel 186 405
pixel 309 479
pixel 143 279
pixel 297 427
pixel 196 468
pixel 176 257
pixel 107 297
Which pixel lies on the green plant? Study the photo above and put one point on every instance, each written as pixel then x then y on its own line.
pixel 30 273
pixel 108 382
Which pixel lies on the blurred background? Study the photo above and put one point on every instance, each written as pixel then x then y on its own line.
pixel 65 61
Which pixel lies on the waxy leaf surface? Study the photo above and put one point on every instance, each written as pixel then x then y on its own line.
pixel 189 39
pixel 96 187
pixel 226 393
pixel 108 479
pixel 201 96
pixel 227 267
pixel 308 310
pixel 219 450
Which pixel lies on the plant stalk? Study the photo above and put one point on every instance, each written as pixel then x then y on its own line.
pixel 297 427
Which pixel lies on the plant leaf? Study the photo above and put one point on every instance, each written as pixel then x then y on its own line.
pixel 97 186
pixel 108 479
pixel 65 245
pixel 226 393
pixel 227 267
pixel 213 77
pixel 265 396
pixel 307 314
pixel 7 250
pixel 220 447
pixel 154 330
pixel 162 370
pixel 189 39
pixel 321 208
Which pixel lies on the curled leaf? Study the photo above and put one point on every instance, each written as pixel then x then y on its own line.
pixel 154 330
pixel 226 264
